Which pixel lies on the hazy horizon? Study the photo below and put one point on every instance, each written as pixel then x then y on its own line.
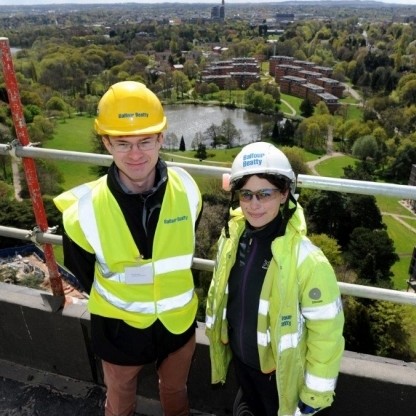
pixel 41 2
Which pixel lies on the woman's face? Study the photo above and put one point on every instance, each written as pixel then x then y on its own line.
pixel 260 201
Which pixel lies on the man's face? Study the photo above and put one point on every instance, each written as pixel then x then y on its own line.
pixel 136 158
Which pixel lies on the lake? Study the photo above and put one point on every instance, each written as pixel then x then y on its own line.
pixel 187 120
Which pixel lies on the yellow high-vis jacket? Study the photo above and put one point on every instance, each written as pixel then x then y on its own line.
pixel 300 316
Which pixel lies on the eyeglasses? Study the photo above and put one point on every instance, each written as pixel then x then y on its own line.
pixel 262 194
pixel 125 147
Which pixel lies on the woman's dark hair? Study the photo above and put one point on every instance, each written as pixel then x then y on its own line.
pixel 282 183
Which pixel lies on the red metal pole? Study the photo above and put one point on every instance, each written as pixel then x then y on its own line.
pixel 28 163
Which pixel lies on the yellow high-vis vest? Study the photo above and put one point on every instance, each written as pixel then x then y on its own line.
pixel 125 285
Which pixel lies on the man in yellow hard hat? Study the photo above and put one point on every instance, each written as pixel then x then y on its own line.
pixel 122 242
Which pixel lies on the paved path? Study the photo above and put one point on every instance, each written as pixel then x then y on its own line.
pixel 292 110
pixel 398 218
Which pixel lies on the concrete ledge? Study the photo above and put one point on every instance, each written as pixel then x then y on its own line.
pixel 379 368
pixel 57 344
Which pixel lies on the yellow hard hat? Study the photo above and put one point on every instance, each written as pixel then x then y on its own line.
pixel 129 108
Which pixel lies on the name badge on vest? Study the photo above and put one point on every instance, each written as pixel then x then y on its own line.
pixel 139 275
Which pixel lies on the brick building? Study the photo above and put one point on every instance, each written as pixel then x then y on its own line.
pixel 276 60
pixel 244 71
pixel 300 87
pixel 317 84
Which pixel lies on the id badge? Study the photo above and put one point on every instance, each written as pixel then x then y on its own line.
pixel 139 275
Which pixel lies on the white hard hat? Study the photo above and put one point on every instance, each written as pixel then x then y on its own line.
pixel 262 157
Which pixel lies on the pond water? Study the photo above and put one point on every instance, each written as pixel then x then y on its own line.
pixel 13 51
pixel 187 120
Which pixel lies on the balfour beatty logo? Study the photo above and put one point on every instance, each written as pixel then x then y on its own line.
pixel 177 219
pixel 130 115
pixel 253 159
pixel 286 320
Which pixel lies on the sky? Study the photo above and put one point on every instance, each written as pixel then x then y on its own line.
pixel 30 2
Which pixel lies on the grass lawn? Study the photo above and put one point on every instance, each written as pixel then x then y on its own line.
pixel 334 166
pixel 75 134
pixel 404 241
pixel 295 102
pixel 354 112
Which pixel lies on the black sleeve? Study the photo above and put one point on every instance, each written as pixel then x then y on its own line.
pixel 79 262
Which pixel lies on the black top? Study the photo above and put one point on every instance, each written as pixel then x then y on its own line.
pixel 244 287
pixel 112 339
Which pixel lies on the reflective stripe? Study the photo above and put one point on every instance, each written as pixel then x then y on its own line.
pixel 163 305
pixel 292 340
pixel 224 314
pixel 80 190
pixel 263 307
pixel 263 338
pixel 319 383
pixel 88 224
pixel 288 341
pixel 191 191
pixel 329 311
pixel 172 264
pixel 306 247
pixel 209 321
pixel 175 302
pixel 142 307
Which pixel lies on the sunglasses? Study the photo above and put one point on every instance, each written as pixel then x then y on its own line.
pixel 261 195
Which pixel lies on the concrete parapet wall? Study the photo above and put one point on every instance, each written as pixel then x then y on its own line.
pixel 31 334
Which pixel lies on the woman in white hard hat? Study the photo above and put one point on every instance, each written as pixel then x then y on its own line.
pixel 274 305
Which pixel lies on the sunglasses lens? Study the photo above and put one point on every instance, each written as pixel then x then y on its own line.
pixel 264 194
pixel 261 195
pixel 245 195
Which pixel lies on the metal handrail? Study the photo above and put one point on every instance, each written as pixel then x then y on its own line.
pixel 360 291
pixel 306 181
pixel 303 181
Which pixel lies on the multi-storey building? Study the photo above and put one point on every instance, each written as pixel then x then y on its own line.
pixel 304 79
pixel 244 71
pixel 218 12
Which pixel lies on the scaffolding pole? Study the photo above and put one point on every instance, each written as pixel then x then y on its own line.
pixel 29 165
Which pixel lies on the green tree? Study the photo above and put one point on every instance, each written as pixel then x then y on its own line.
pixel 181 83
pixel 364 212
pixel 201 153
pixel 330 248
pixel 182 146
pixel 327 213
pixel 371 254
pixel 390 326
pixel 399 170
pixel 306 108
pixel 171 141
pixel 229 132
pixel 365 147
pixel 50 179
pixel 275 133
